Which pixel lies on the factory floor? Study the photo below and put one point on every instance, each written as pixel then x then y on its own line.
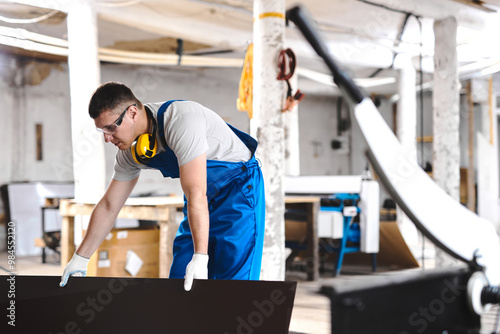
pixel 311 313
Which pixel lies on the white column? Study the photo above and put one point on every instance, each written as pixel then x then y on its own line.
pixel 446 144
pixel 19 125
pixel 84 77
pixel 487 152
pixel 406 131
pixel 291 124
pixel 267 127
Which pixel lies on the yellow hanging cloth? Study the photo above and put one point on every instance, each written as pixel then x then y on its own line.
pixel 245 91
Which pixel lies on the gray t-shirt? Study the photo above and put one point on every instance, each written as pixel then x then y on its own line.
pixel 190 130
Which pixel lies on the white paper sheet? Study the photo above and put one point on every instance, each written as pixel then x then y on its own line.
pixel 134 263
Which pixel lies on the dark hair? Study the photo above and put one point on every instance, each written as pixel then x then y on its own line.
pixel 109 96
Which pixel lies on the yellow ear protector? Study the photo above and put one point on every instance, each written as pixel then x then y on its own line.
pixel 145 146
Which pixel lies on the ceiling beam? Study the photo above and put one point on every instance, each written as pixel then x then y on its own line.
pixel 198 25
pixel 60 5
pixel 476 5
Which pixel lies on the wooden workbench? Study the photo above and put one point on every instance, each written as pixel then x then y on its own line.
pixel 161 209
pixel 311 205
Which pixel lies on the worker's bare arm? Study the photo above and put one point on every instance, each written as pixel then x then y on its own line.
pixel 193 177
pixel 104 215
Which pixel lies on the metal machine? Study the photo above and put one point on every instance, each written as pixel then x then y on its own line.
pixel 433 301
pixel 349 212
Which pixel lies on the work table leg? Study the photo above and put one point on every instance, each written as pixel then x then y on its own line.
pixel 168 230
pixel 312 241
pixel 67 240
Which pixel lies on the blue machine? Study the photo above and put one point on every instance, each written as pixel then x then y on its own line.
pixel 347 205
pixel 348 218
pixel 339 220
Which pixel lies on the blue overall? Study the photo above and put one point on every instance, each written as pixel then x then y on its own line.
pixel 236 204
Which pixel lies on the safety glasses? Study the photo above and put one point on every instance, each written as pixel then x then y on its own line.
pixel 110 129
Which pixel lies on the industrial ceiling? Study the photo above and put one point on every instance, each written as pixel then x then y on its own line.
pixel 366 36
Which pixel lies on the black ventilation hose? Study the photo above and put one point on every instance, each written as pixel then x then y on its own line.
pixel 298 16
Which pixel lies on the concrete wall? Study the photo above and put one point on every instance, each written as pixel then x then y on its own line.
pixel 27 102
pixel 38 93
pixel 464 127
pixel 317 128
pixel 48 103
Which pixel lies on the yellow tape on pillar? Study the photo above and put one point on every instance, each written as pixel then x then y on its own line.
pixel 270 14
pixel 245 91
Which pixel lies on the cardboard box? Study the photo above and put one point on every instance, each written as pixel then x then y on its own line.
pixel 128 252
pixel 295 230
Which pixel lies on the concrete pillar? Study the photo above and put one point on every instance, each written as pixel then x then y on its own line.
pixel 446 144
pixel 406 131
pixel 487 152
pixel 446 148
pixel 267 127
pixel 84 77
pixel 19 124
pixel 291 124
pixel 406 126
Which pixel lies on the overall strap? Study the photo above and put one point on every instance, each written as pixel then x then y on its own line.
pixel 161 122
pixel 248 140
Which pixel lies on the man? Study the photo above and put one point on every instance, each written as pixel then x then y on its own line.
pixel 222 234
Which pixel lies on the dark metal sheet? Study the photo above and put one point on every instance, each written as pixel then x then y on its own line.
pixel 431 301
pixel 143 305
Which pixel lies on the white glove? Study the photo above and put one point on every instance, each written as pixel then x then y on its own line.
pixel 76 267
pixel 197 268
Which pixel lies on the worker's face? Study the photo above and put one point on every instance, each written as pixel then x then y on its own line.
pixel 117 126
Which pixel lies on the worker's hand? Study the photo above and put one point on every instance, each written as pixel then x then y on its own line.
pixel 76 267
pixel 197 268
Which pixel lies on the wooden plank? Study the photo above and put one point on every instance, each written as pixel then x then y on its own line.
pixel 311 206
pixel 67 240
pixel 301 199
pixel 471 189
pixel 39 141
pixel 145 201
pixel 425 139
pixel 159 212
pixel 39 242
pixel 92 265
pixel 168 230
pixel 155 201
pixel 163 259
